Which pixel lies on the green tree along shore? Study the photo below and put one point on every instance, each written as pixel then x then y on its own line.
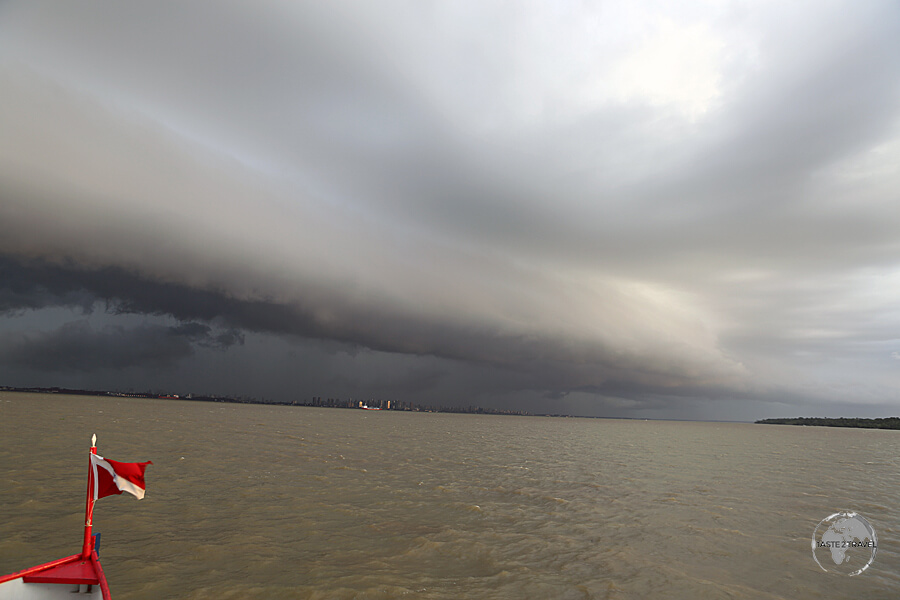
pixel 886 423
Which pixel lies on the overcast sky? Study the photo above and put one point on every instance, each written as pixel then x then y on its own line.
pixel 686 210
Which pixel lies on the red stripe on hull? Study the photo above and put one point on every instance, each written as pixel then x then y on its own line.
pixel 70 570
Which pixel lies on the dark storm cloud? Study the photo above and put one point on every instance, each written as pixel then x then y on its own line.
pixel 77 346
pixel 637 202
pixel 542 361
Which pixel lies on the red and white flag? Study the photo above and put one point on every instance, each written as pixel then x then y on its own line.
pixel 113 477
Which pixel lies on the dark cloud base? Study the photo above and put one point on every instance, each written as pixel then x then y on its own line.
pixel 34 284
pixel 77 346
pixel 549 365
pixel 187 356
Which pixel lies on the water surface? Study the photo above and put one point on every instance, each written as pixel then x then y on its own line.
pixel 249 501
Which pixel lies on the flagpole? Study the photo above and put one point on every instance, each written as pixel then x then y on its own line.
pixel 89 505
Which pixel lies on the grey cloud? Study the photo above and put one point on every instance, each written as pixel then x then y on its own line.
pixel 549 362
pixel 77 346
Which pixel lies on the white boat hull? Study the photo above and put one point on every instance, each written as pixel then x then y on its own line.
pixel 19 590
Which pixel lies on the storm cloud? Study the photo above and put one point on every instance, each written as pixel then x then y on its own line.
pixel 77 346
pixel 642 205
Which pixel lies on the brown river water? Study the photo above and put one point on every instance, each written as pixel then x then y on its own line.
pixel 251 501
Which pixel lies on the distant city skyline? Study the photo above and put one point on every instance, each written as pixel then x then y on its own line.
pixel 647 210
pixel 314 402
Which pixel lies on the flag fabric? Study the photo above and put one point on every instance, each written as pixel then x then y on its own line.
pixel 113 477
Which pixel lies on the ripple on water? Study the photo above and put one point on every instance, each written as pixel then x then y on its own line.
pixel 279 502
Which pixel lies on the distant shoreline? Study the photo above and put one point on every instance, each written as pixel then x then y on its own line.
pixel 317 401
pixel 885 423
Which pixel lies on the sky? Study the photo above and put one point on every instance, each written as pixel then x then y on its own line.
pixel 648 210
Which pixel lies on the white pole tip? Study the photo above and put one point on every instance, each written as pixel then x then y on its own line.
pixel 94 440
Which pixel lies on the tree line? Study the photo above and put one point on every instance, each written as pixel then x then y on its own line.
pixel 885 423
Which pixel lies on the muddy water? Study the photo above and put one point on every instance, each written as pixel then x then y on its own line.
pixel 282 502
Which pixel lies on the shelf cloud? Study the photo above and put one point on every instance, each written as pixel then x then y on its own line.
pixel 613 210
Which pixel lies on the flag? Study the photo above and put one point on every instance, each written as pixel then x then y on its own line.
pixel 113 477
